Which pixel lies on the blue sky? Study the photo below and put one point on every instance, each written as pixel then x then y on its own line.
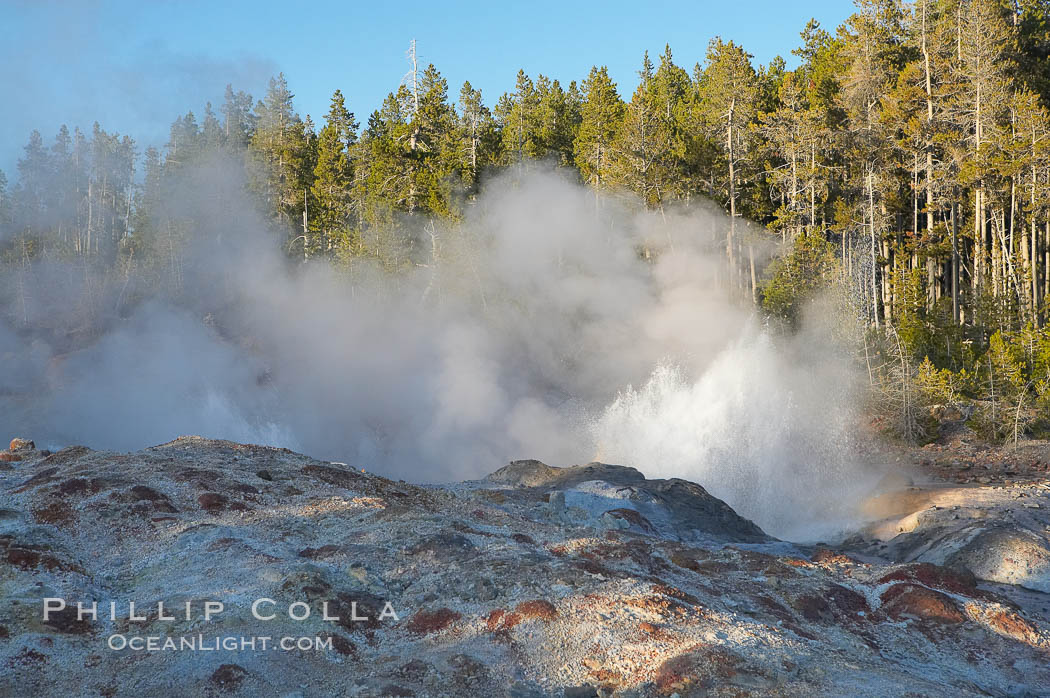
pixel 134 66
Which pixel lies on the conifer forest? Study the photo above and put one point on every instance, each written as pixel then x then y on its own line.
pixel 904 165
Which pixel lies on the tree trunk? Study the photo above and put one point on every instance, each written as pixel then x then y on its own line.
pixel 955 266
pixel 978 241
pixel 812 187
pixel 874 253
pixel 1046 260
pixel 794 190
pixel 1036 315
pixel 306 230
pixel 929 150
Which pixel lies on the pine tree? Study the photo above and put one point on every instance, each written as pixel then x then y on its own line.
pixel 238 122
pixel 903 118
pixel 798 141
pixel 517 116
pixel 601 115
pixel 31 191
pixel 1032 19
pixel 382 181
pixel 109 192
pixel 1018 161
pixel 150 208
pixel 431 152
pixel 637 158
pixel 184 142
pixel 79 164
pixel 62 197
pixel 557 120
pixel 329 222
pixel 211 136
pixel 672 92
pixel 873 53
pixel 978 104
pixel 1031 154
pixel 478 138
pixel 281 147
pixel 729 103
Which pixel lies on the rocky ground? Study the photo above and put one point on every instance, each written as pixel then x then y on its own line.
pixel 536 581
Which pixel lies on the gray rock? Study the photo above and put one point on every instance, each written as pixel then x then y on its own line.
pixel 689 509
pixel 556 505
pixel 1007 556
pixel 587 691
pixel 446 545
pixel 525 690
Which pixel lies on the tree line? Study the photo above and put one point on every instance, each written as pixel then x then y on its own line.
pixel 907 158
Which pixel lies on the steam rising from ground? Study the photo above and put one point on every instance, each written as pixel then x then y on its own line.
pixel 516 334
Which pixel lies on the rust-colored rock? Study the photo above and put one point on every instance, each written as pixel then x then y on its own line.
pixel 493 619
pixel 847 602
pixel 343 646
pixel 814 608
pixel 653 632
pixel 154 500
pixel 830 557
pixel 228 677
pixel 28 657
pixel 655 604
pixel 426 622
pixel 499 620
pixel 1014 626
pixel 797 562
pixel 30 557
pixel 66 621
pixel 675 593
pixel 539 608
pixel 56 513
pixel 320 553
pixel 141 492
pixel 907 601
pixel 956 581
pixel 74 487
pixel 21 445
pixel 212 501
pixel 696 671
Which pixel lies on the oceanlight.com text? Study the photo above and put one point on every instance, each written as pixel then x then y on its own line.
pixel 217 643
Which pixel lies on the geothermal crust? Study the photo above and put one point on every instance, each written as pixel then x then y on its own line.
pixel 536 581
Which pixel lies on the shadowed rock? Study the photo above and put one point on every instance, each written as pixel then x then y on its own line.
pixel 684 507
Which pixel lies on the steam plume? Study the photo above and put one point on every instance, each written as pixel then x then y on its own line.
pixel 518 333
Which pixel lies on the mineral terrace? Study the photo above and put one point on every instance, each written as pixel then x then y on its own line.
pixel 536 581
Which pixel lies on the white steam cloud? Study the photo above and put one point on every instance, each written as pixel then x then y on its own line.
pixel 517 334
